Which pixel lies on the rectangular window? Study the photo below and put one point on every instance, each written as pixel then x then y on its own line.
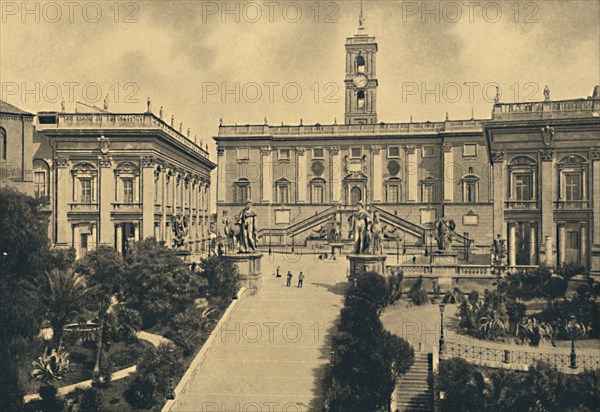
pixel 428 151
pixel 318 194
pixel 470 192
pixel 428 194
pixel 128 190
pixel 469 150
pixel 522 187
pixel 243 153
pixel 86 190
pixel 243 193
pixel 393 152
pixel 284 192
pixel 392 194
pixel 356 152
pixel 317 153
pixel 572 186
pixel 39 179
pixel 284 154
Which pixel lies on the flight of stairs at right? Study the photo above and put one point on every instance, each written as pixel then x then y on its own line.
pixel 414 390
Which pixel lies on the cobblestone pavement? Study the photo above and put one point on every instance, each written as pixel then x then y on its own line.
pixel 268 356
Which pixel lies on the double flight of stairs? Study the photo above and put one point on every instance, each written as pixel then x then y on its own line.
pixel 414 391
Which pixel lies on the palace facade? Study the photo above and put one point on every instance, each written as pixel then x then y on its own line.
pixel 530 173
pixel 108 178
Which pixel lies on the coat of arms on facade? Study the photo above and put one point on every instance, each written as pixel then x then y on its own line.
pixel 104 144
pixel 547 135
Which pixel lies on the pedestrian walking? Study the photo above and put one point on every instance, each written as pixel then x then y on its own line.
pixel 300 279
pixel 277 273
pixel 289 279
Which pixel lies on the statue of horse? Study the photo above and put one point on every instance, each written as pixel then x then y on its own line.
pixel 233 231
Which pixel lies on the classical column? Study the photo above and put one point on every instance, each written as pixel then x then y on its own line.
pixel 136 231
pixel 512 247
pixel 266 186
pixel 302 171
pixel 532 244
pixel 64 190
pixel 147 196
pixel 561 243
pixel 119 237
pixel 498 177
pixel 583 248
pixel 221 184
pixel 336 175
pixel 377 174
pixel 448 173
pixel 595 195
pixel 93 237
pixel 411 171
pixel 547 194
pixel 106 193
pixel 76 242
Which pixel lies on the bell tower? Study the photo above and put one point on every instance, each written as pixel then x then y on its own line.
pixel 361 77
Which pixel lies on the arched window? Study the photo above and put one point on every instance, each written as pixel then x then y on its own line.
pixel 572 182
pixel 470 184
pixel 242 191
pixel 85 178
pixel 282 189
pixel 393 190
pixel 360 64
pixel 317 191
pixel 2 144
pixel 41 174
pixel 360 99
pixel 522 183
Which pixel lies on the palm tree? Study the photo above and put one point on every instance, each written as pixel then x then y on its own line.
pixel 65 297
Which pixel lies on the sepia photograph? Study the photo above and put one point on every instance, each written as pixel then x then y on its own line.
pixel 304 205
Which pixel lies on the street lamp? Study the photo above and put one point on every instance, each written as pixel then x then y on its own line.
pixel 466 234
pixel 442 306
pixel 573 355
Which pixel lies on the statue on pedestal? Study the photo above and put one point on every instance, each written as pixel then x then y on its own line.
pixel 319 234
pixel 444 230
pixel 180 230
pixel 241 232
pixel 377 234
pixel 360 222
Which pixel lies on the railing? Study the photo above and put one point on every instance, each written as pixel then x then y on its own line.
pixel 525 358
pixel 83 207
pixel 122 120
pixel 571 204
pixel 474 270
pixel 521 204
pixel 380 128
pixel 403 223
pixel 127 207
pixel 529 108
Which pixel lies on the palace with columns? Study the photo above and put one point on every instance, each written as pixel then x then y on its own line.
pixel 530 173
pixel 108 178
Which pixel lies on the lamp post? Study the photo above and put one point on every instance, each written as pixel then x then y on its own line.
pixel 573 355
pixel 442 342
pixel 431 247
pixel 498 264
pixel 466 234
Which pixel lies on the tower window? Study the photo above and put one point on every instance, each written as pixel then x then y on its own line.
pixel 360 64
pixel 360 99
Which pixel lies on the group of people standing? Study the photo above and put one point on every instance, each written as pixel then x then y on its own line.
pixel 289 277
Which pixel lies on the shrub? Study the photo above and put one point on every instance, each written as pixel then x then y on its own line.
pixel 463 386
pixel 394 287
pixel 416 294
pixel 190 329
pixel 84 400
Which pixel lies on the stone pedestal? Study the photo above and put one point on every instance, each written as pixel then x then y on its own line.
pixel 336 249
pixel 248 269
pixel 444 263
pixel 184 255
pixel 366 263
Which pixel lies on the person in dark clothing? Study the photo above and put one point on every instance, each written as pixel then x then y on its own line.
pixel 277 272
pixel 289 279
pixel 300 279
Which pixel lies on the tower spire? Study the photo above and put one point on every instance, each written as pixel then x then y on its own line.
pixel 361 19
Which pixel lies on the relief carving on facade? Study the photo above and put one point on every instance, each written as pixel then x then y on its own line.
pixel 546 154
pixel 497 156
pixel 547 135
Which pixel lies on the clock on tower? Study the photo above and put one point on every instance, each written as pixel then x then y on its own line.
pixel 361 80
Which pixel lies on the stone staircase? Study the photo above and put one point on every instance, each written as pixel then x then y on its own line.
pixel 414 391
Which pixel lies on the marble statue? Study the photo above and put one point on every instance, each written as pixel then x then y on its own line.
pixel 106 102
pixel 160 112
pixel 180 230
pixel 173 121
pixel 241 231
pixel 149 103
pixel 444 230
pixel 546 93
pixel 62 105
pixel 360 222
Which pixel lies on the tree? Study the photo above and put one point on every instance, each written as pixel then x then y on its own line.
pixel 155 370
pixel 221 278
pixel 462 385
pixel 417 294
pixel 104 270
pixel 157 283
pixel 65 296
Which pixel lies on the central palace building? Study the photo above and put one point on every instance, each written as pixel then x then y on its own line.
pixel 530 173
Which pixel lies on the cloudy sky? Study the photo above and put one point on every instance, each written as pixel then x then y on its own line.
pixel 185 54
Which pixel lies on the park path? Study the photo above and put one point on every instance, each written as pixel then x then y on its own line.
pixel 269 354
